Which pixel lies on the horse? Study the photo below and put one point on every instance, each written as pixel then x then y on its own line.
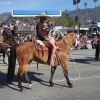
pixel 7 42
pixel 97 51
pixel 4 48
pixel 27 52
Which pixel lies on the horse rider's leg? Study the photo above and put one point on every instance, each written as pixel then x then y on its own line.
pixel 28 80
pixel 65 71
pixel 53 68
pixel 53 52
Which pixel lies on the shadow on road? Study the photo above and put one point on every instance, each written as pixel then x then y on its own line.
pixel 87 60
pixel 34 77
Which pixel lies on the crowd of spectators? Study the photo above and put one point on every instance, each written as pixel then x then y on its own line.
pixel 86 41
pixel 18 26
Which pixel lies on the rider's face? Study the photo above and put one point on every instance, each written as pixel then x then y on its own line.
pixel 43 19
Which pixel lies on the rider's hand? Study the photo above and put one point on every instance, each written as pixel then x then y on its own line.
pixel 47 38
pixel 53 30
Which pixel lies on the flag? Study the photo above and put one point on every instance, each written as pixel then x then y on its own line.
pixel 78 1
pixel 75 1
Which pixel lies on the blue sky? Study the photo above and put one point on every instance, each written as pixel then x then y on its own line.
pixel 9 5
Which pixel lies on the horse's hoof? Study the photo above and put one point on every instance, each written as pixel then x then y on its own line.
pixel 70 85
pixel 22 89
pixel 52 84
pixel 8 82
pixel 30 86
pixel 5 63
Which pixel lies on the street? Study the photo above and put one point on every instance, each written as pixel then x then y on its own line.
pixel 84 74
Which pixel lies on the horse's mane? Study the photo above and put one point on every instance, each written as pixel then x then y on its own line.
pixel 70 33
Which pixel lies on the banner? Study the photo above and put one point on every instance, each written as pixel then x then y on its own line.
pixel 75 1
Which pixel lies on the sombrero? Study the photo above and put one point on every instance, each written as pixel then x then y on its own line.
pixel 43 15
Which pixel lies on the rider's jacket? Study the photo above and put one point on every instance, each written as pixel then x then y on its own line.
pixel 5 33
pixel 41 30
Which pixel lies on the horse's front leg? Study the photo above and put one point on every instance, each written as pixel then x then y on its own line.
pixel 4 58
pixel 53 68
pixel 65 71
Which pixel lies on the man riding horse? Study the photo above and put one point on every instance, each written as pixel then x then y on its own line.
pixel 8 38
pixel 42 33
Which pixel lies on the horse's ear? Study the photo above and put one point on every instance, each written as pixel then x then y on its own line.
pixel 60 37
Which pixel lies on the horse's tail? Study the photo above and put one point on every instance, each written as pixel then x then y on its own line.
pixel 11 65
pixel 97 52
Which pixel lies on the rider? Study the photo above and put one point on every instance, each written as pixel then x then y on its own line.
pixel 5 32
pixel 42 33
pixel 5 35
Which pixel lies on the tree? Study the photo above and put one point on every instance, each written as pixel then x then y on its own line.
pixel 95 7
pixel 66 12
pixel 85 4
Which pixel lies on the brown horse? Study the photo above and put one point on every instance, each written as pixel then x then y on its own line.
pixel 4 50
pixel 26 52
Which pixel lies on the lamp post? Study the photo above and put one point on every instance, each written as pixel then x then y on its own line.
pixel 85 4
pixel 95 8
pixel 75 2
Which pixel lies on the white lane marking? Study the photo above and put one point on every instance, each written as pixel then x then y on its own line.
pixel 33 83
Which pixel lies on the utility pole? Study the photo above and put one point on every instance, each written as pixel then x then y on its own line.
pixel 75 2
pixel 77 17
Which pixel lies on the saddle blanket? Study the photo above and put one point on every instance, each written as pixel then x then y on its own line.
pixel 40 45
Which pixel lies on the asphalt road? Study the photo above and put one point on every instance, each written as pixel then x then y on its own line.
pixel 84 73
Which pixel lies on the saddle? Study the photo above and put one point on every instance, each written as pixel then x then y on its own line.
pixel 40 46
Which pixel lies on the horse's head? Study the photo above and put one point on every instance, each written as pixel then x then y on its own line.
pixel 67 41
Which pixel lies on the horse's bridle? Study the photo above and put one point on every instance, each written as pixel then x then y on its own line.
pixel 66 43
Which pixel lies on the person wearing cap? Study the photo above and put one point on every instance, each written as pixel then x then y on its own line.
pixel 42 33
pixel 5 32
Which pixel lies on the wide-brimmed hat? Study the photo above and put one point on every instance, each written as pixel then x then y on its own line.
pixel 43 15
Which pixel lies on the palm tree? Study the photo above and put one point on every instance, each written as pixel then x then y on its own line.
pixel 85 4
pixel 66 11
pixel 95 7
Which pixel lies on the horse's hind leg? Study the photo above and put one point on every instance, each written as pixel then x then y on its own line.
pixel 53 68
pixel 23 71
pixel 4 58
pixel 19 81
pixel 28 80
